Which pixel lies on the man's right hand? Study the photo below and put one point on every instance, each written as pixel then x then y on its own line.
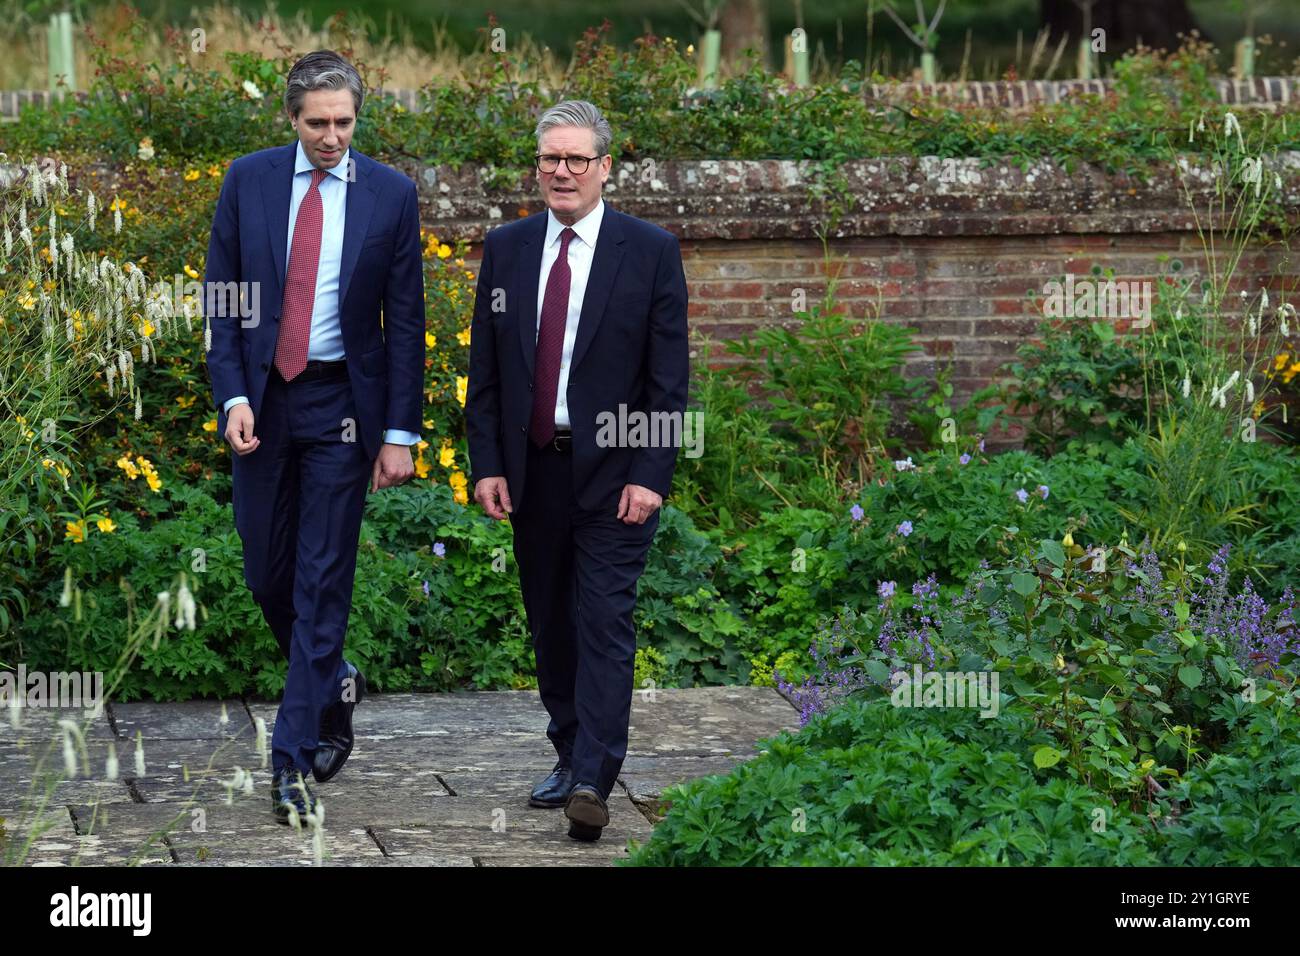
pixel 239 429
pixel 493 495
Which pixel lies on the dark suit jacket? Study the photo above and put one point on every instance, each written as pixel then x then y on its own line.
pixel 631 350
pixel 381 271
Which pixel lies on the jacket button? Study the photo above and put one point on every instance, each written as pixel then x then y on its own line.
pixel 523 428
pixel 530 386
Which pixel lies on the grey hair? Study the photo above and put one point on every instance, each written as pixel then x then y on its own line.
pixel 578 113
pixel 322 70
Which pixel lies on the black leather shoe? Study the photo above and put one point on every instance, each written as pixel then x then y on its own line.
pixel 334 744
pixel 552 792
pixel 587 812
pixel 290 794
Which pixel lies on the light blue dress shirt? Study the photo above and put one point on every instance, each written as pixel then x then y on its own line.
pixel 326 337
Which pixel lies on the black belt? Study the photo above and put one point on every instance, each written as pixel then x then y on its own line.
pixel 319 371
pixel 562 443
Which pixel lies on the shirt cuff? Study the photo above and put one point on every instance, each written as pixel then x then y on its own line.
pixel 395 436
pixel 237 400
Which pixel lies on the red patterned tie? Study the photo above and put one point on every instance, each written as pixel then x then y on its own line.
pixel 300 283
pixel 550 344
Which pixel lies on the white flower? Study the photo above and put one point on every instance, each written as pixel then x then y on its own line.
pixel 1229 125
pixel 67 244
pixel 69 756
pixel 1187 385
pixel 139 754
pixel 110 771
pixel 117 218
pixel 1250 391
pixel 225 717
pixel 251 89
pixel 90 209
pixel 145 150
pixel 1252 173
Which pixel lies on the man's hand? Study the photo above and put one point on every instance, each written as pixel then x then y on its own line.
pixel 637 504
pixel 239 429
pixel 392 467
pixel 494 496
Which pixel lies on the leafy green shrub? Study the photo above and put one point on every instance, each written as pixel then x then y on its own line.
pixel 871 784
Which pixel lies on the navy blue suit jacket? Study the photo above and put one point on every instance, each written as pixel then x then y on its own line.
pixel 381 288
pixel 631 349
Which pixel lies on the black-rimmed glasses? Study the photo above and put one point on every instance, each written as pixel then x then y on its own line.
pixel 577 164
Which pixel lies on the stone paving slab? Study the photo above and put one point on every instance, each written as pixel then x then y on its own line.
pixel 434 780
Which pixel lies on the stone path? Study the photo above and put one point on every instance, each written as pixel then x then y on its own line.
pixel 435 780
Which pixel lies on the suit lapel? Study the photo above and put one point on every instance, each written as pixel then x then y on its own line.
pixel 529 274
pixel 604 267
pixel 600 282
pixel 277 192
pixel 360 205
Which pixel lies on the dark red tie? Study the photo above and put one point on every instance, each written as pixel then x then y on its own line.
pixel 550 344
pixel 300 282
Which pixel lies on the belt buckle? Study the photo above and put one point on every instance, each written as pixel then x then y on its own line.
pixel 556 439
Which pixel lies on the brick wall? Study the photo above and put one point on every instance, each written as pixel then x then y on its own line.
pixel 950 249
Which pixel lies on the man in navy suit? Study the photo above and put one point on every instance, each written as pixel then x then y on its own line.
pixel 314 300
pixel 579 320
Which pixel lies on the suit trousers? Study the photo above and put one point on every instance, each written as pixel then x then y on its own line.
pixel 578 571
pixel 298 503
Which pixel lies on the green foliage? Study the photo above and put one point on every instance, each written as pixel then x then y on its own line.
pixel 871 784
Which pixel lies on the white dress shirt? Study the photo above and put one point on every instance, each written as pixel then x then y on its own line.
pixel 582 248
pixel 325 341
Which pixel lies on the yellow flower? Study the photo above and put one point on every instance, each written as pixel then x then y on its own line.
pixel 447 457
pixel 444 251
pixel 210 426
pixel 421 467
pixel 128 466
pixel 155 484
pixel 458 483
pixel 462 387
pixel 1280 362
pixel 191 175
pixel 148 329
pixel 76 531
pixel 184 401
pixel 106 525
pixel 1259 408
pixel 463 336
pixel 430 340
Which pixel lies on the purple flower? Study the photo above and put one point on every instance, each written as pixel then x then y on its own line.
pixel 981 446
pixel 1042 491
pixel 426 588
pixel 904 464
pixel 905 528
pixel 886 589
pixel 1022 495
pixel 964 459
pixel 440 549
pixel 857 512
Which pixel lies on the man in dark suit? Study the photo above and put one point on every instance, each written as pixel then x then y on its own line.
pixel 318 394
pixel 579 318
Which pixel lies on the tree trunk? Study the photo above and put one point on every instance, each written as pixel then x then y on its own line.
pixel 744 25
pixel 1155 23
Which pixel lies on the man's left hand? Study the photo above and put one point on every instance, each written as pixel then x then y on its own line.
pixel 392 467
pixel 638 504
